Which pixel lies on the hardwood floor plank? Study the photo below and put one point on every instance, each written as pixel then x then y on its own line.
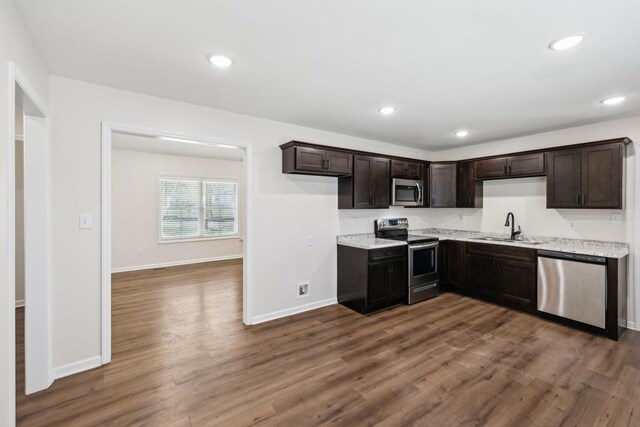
pixel 182 357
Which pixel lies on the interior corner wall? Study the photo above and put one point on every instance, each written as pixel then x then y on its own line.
pixel 19 215
pixel 15 46
pixel 526 197
pixel 135 204
pixel 287 209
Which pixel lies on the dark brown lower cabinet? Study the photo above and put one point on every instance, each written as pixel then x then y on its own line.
pixel 454 264
pixel 370 280
pixel 517 283
pixel 502 274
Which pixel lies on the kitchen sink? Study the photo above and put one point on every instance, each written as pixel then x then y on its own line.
pixel 508 240
pixel 494 239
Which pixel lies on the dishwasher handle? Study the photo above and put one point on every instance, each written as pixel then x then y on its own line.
pixel 572 257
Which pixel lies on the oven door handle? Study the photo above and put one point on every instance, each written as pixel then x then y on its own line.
pixel 425 246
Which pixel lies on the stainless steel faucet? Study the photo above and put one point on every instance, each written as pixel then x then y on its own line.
pixel 513 224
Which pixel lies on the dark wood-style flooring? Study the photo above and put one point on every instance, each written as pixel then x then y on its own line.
pixel 182 357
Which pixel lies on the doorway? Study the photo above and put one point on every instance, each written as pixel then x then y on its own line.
pixel 176 232
pixel 28 239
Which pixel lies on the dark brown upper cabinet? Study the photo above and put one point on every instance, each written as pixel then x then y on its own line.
pixel 442 185
pixel 468 190
pixel 589 177
pixel 315 161
pixel 368 186
pixel 405 169
pixel 511 167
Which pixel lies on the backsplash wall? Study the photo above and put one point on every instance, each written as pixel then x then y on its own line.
pixel 526 198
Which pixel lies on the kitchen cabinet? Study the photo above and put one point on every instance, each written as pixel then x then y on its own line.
pixel 517 166
pixel 406 169
pixel 454 253
pixel 442 185
pixel 468 190
pixel 501 274
pixel 368 186
pixel 586 177
pixel 303 160
pixel 369 280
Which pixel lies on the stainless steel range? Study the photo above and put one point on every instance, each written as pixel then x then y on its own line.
pixel 422 258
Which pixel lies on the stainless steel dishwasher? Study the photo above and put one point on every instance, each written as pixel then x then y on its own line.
pixel 573 286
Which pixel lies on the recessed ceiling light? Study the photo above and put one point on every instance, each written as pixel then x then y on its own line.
pixel 461 133
pixel 387 110
pixel 220 61
pixel 614 100
pixel 567 42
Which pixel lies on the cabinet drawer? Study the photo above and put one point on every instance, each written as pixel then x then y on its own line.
pixel 384 253
pixel 502 251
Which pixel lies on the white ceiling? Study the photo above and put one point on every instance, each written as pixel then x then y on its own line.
pixel 330 64
pixel 145 144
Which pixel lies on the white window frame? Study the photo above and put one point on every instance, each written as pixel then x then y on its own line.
pixel 162 240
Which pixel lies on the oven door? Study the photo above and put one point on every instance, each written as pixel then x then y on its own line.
pixel 423 263
pixel 406 192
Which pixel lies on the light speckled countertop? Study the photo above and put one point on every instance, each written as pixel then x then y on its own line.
pixel 576 246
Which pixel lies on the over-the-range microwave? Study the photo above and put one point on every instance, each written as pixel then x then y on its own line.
pixel 406 192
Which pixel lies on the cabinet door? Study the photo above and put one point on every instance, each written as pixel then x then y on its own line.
pixel 563 178
pixel 310 159
pixel 518 283
pixel 338 163
pixel 491 168
pixel 362 182
pixel 525 165
pixel 405 169
pixel 377 292
pixel 481 274
pixel 380 181
pixel 602 176
pixel 468 190
pixel 397 280
pixel 455 264
pixel 442 185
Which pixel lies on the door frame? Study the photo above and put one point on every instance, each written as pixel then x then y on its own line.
pixel 636 241
pixel 35 106
pixel 247 280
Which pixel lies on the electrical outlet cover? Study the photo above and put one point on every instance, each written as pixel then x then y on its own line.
pixel 303 290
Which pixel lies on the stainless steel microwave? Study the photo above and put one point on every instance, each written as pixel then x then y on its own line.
pixel 406 192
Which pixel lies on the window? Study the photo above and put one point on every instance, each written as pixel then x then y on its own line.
pixel 193 208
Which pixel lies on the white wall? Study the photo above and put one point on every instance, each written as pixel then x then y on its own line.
pixel 16 46
pixel 134 209
pixel 287 209
pixel 526 197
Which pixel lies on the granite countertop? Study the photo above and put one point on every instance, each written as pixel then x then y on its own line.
pixel 576 246
pixel 367 241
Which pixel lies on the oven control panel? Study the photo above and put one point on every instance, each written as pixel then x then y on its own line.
pixel 391 224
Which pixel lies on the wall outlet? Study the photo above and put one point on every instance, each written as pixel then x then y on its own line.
pixel 310 241
pixel 572 225
pixel 303 290
pixel 86 221
pixel 615 218
pixel 140 251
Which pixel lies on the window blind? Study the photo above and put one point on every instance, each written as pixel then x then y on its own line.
pixel 197 208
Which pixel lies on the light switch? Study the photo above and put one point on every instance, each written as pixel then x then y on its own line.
pixel 86 221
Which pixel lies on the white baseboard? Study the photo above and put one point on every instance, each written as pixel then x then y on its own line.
pixel 294 310
pixel 174 263
pixel 19 303
pixel 632 325
pixel 77 367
